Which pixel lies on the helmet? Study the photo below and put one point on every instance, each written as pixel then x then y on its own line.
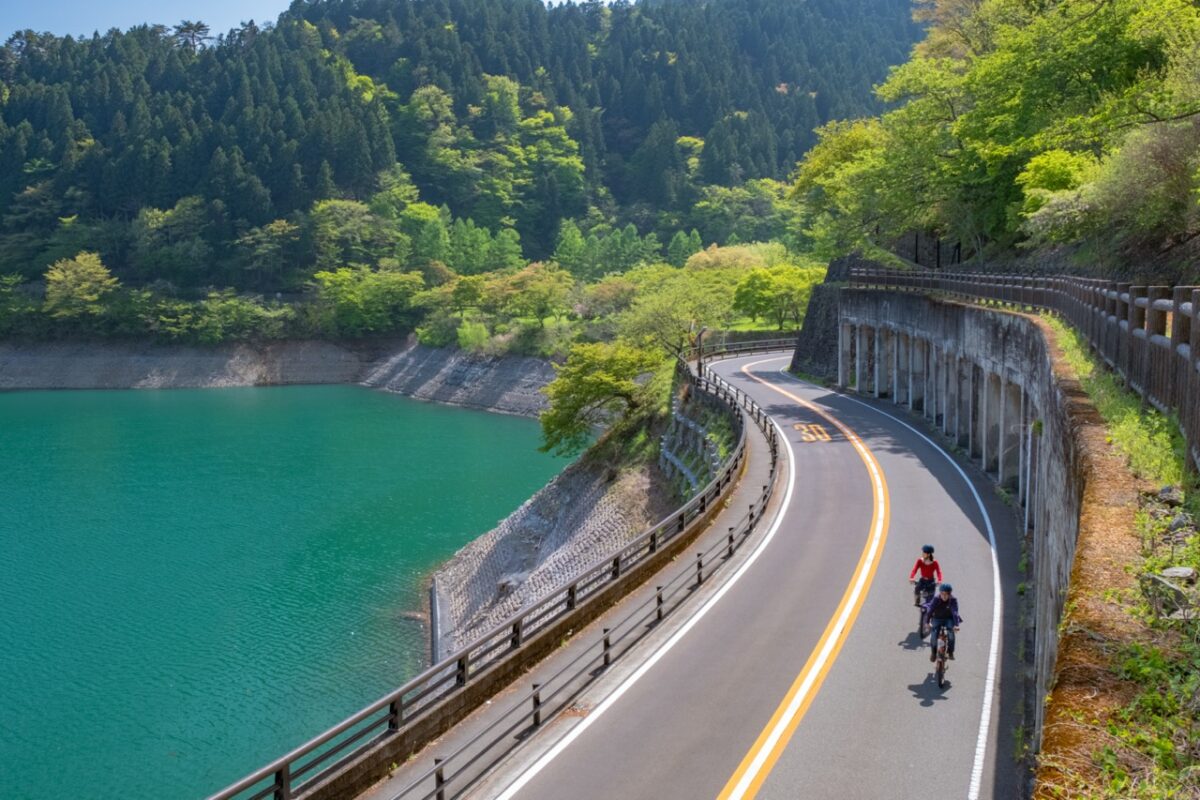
pixel 927 548
pixel 945 587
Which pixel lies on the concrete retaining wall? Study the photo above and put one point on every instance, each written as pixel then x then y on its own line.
pixel 508 385
pixel 120 365
pixel 986 379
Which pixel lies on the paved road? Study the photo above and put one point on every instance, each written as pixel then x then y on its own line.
pixel 805 679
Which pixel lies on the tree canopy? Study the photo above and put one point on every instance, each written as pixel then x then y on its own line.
pixel 195 158
pixel 1020 124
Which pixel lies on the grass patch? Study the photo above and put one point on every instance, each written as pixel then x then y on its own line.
pixel 1157 736
pixel 1151 441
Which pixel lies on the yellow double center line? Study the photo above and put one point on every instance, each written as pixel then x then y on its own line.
pixel 757 764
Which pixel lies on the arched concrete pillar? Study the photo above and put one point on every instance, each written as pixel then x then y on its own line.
pixel 860 359
pixel 916 373
pixel 930 406
pixel 1022 450
pixel 883 362
pixel 845 347
pixel 1033 447
pixel 962 402
pixel 972 408
pixel 949 368
pixel 1009 435
pixel 900 369
pixel 991 422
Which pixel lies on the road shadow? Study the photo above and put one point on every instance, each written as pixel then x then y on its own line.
pixel 912 642
pixel 928 692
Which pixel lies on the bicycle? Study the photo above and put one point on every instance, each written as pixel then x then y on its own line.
pixel 943 657
pixel 923 590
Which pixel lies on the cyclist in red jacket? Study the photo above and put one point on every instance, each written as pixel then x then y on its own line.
pixel 931 574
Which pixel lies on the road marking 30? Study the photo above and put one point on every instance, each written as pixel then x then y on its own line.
pixel 757 763
pixel 812 433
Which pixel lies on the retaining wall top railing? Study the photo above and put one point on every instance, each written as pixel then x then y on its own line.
pixel 310 764
pixel 1149 335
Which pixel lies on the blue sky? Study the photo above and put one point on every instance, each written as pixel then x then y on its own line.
pixel 84 16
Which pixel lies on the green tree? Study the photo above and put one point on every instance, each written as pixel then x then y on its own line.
pixel 173 244
pixel 570 252
pixel 79 288
pixel 755 294
pixel 14 306
pixel 679 248
pixel 505 250
pixel 600 384
pixel 266 251
pixel 669 315
pixel 346 232
pixel 540 290
pixel 426 230
pixel 358 301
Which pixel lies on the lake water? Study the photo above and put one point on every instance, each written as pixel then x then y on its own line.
pixel 193 582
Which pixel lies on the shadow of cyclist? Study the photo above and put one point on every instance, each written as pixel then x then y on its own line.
pixel 928 692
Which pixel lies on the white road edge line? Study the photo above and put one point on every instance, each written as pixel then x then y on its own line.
pixel 607 703
pixel 989 686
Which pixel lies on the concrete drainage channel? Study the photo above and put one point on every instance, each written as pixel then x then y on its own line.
pixel 352 756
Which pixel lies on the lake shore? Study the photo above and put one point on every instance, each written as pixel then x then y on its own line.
pixel 508 385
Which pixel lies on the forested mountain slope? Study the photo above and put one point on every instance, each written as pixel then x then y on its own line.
pixel 398 133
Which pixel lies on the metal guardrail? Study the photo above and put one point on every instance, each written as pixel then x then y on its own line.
pixel 1149 335
pixel 723 350
pixel 310 763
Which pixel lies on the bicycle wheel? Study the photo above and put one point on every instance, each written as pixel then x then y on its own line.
pixel 922 630
pixel 941 673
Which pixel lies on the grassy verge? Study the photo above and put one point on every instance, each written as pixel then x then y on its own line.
pixel 1151 441
pixel 1148 744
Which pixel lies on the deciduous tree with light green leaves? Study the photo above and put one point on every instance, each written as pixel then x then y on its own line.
pixel 79 287
pixel 599 385
pixel 1021 123
pixel 358 301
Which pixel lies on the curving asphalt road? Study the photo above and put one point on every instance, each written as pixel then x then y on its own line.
pixel 805 678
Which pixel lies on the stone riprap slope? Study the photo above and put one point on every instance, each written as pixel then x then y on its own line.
pixel 583 514
pixel 510 385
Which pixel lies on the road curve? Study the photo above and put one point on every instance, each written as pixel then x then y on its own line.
pixel 807 678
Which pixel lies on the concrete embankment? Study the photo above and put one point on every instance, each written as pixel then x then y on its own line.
pixel 510 385
pixel 119 365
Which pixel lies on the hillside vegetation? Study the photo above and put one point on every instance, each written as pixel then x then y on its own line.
pixel 397 134
pixel 1024 126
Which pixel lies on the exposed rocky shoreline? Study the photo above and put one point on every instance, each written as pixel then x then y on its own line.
pixel 510 385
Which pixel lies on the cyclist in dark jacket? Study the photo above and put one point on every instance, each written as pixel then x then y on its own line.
pixel 942 612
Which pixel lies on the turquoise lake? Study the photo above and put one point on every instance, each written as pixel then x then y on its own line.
pixel 195 581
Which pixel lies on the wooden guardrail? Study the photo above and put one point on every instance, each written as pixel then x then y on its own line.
pixel 1149 335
